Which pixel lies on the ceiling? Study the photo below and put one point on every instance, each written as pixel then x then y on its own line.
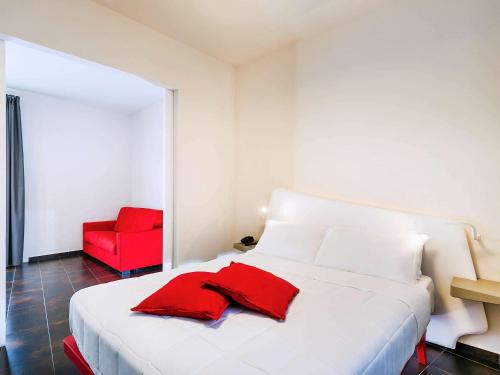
pixel 55 74
pixel 236 31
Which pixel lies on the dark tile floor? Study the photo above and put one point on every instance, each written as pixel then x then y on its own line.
pixel 38 297
pixel 444 362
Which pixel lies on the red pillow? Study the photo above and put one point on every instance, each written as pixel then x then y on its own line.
pixel 254 288
pixel 186 296
pixel 132 219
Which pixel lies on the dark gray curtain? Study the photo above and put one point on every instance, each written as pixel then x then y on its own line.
pixel 15 183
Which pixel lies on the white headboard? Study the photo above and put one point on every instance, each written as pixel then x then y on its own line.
pixel 446 253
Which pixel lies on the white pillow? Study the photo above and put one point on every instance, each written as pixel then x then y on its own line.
pixel 394 257
pixel 292 241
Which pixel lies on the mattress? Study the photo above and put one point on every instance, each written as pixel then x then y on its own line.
pixel 340 322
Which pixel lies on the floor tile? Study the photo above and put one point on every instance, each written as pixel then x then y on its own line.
pixel 63 293
pixel 27 272
pixel 82 279
pixel 490 359
pixel 63 365
pixel 56 282
pixel 42 366
pixel 53 272
pixel 73 264
pixel 103 272
pixel 58 309
pixel 75 275
pixel 60 290
pixel 75 267
pixel 28 347
pixel 460 366
pixel 25 319
pixel 24 300
pixel 58 331
pixel 431 370
pixel 83 273
pixel 84 284
pixel 56 268
pixel 414 368
pixel 106 279
pixel 91 263
pixel 27 285
pixel 144 272
pixel 55 276
pixel 50 264
pixel 10 274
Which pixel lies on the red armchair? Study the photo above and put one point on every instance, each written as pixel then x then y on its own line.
pixel 134 240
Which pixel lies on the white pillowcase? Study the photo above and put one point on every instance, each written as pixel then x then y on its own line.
pixel 394 257
pixel 292 241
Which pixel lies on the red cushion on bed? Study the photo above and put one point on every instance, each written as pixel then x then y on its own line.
pixel 255 288
pixel 186 296
pixel 133 219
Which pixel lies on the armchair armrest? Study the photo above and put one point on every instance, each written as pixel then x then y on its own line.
pixel 99 225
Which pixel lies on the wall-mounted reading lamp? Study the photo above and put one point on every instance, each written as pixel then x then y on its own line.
pixel 475 233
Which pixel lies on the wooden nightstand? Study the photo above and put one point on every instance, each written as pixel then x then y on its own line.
pixel 239 246
pixel 487 291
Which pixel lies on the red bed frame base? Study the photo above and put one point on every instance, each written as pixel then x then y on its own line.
pixel 73 353
pixel 422 351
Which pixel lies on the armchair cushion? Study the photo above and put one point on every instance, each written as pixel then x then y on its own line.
pixel 131 219
pixel 106 240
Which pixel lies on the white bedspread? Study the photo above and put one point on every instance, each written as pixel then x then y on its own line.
pixel 339 323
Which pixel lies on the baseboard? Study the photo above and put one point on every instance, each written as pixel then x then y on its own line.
pixel 65 254
pixel 481 355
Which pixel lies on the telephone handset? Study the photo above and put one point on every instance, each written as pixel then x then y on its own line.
pixel 248 240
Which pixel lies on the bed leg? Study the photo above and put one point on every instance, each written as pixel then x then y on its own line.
pixel 422 352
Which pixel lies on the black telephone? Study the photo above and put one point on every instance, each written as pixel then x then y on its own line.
pixel 248 240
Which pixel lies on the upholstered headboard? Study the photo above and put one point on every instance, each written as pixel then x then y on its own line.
pixel 446 253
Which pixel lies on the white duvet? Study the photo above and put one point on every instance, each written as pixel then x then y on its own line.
pixel 339 323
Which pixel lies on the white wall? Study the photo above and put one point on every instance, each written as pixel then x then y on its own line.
pixel 204 137
pixel 146 151
pixel 398 108
pixel 265 136
pixel 77 169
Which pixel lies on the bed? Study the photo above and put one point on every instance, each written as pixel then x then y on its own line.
pixel 340 322
pixel 352 323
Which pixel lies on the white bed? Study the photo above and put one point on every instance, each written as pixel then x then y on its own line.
pixel 340 322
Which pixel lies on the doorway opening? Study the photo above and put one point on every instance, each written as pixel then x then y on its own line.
pixel 95 139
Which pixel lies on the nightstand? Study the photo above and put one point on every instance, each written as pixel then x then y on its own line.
pixel 239 246
pixel 481 290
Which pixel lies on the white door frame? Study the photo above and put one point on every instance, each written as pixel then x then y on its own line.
pixel 170 100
